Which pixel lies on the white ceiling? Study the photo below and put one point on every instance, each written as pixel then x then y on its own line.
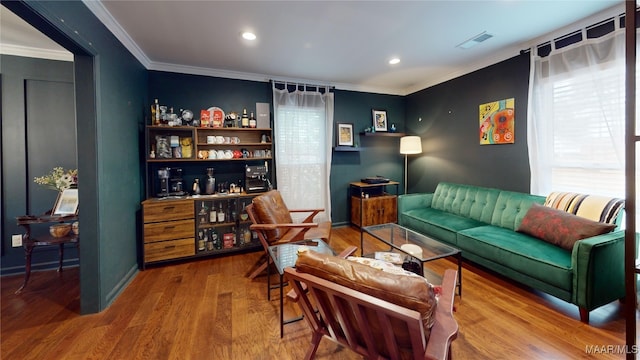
pixel 346 44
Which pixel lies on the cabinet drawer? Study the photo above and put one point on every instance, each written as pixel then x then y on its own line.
pixel 169 230
pixel 167 210
pixel 167 250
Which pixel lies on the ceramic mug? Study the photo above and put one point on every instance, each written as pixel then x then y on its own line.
pixel 219 139
pixel 235 140
pixel 211 139
pixel 213 154
pixel 227 140
pixel 220 154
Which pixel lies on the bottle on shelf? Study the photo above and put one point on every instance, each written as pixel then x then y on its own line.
pixel 155 113
pixel 252 121
pixel 243 214
pixel 209 244
pixel 213 217
pixel 229 215
pixel 216 239
pixel 247 235
pixel 244 121
pixel 201 245
pixel 235 236
pixel 220 213
pixel 203 215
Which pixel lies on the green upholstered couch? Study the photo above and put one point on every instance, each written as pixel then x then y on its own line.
pixel 482 223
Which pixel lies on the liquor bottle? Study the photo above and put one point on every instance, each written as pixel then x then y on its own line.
pixel 200 241
pixel 235 236
pixel 220 213
pixel 229 215
pixel 252 121
pixel 247 235
pixel 204 213
pixel 216 240
pixel 245 119
pixel 212 213
pixel 155 113
pixel 210 243
pixel 243 215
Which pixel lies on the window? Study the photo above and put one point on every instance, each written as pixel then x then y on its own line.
pixel 303 130
pixel 576 118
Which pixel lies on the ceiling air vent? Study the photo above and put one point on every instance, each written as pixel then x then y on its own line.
pixel 475 40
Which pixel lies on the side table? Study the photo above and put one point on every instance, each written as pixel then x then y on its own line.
pixel 372 204
pixel 29 242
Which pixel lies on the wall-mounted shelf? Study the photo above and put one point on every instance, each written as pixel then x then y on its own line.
pixel 346 148
pixel 379 133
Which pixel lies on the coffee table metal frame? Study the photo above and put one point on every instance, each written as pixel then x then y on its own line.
pixel 396 235
pixel 284 256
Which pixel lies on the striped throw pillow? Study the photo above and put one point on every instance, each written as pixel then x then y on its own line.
pixel 593 207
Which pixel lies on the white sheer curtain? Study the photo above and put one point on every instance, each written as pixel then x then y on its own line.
pixel 576 117
pixel 303 130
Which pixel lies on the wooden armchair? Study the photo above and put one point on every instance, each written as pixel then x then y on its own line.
pixel 273 223
pixel 370 326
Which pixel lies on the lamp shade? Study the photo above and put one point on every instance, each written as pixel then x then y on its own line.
pixel 410 145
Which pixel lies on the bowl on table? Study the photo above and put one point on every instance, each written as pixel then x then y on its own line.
pixel 59 230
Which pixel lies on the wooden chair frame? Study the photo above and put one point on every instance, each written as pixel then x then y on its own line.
pixel 337 304
pixel 298 235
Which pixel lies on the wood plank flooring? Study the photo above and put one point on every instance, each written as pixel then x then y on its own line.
pixel 208 309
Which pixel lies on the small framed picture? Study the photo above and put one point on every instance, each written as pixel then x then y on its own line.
pixel 66 203
pixel 379 120
pixel 345 134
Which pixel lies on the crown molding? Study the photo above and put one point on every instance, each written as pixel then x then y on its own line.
pixel 116 29
pixel 98 9
pixel 26 51
pixel 239 75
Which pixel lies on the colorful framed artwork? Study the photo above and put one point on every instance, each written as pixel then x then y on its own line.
pixel 345 134
pixel 379 120
pixel 497 122
pixel 66 203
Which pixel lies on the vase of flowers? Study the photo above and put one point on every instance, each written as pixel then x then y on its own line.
pixel 58 179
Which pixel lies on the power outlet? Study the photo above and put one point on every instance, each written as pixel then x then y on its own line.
pixel 16 240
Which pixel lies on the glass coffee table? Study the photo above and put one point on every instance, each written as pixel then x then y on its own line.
pixel 414 244
pixel 284 256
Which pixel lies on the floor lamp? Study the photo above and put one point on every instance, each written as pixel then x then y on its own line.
pixel 409 145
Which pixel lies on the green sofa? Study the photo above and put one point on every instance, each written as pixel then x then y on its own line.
pixel 482 222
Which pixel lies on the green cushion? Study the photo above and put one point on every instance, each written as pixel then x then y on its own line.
pixel 473 202
pixel 533 257
pixel 511 207
pixel 438 224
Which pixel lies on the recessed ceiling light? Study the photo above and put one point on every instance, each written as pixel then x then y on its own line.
pixel 394 61
pixel 248 35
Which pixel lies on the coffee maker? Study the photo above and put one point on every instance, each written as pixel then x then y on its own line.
pixel 176 182
pixel 255 179
pixel 170 181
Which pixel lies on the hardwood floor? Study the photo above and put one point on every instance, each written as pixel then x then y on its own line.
pixel 208 309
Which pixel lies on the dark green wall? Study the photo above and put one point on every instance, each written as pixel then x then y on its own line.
pixel 111 88
pixel 19 76
pixel 446 117
pixel 114 91
pixel 378 156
